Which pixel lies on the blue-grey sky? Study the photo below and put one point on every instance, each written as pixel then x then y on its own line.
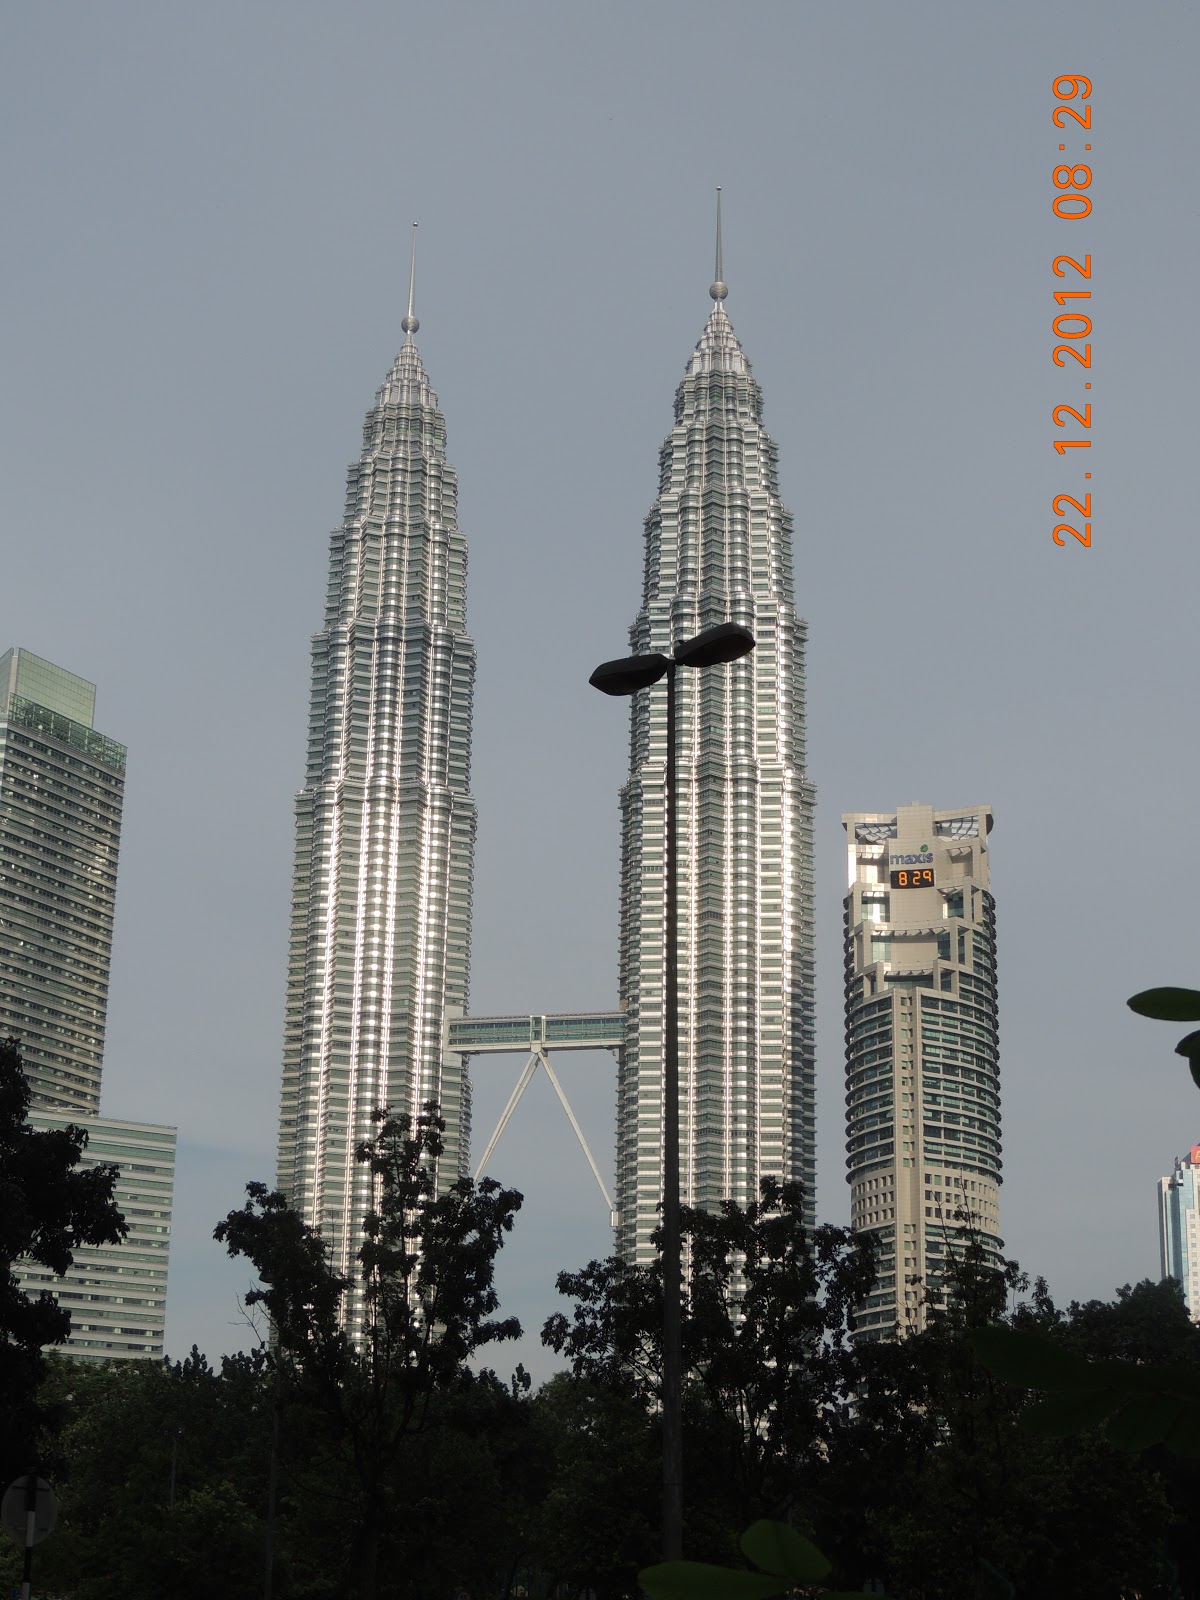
pixel 207 214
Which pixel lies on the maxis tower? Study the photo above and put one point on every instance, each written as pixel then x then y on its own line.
pixel 922 1052
pixel 385 824
pixel 718 548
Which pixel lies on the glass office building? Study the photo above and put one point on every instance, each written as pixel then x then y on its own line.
pixel 61 790
pixel 718 548
pixel 1179 1227
pixel 922 1050
pixel 117 1293
pixel 385 824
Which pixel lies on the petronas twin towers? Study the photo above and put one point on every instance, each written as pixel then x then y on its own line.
pixel 718 549
pixel 385 824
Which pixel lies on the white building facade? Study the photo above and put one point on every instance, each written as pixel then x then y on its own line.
pixel 1179 1227
pixel 117 1293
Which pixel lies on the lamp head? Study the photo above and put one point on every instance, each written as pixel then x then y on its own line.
pixel 728 641
pixel 630 674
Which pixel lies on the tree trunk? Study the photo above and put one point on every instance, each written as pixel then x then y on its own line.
pixel 367 1554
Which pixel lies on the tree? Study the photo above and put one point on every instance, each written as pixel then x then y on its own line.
pixel 163 1491
pixel 767 1310
pixel 426 1269
pixel 1141 1403
pixel 597 1522
pixel 48 1210
pixel 937 1485
pixel 903 1460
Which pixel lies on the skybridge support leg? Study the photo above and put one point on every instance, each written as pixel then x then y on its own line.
pixel 506 1114
pixel 566 1105
pixel 523 1082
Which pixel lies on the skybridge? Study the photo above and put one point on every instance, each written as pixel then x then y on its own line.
pixel 535 1035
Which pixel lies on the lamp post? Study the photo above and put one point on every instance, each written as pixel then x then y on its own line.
pixel 726 642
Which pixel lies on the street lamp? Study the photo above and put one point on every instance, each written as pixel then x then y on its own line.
pixel 728 641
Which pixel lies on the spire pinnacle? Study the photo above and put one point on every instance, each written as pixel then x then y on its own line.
pixel 719 289
pixel 408 322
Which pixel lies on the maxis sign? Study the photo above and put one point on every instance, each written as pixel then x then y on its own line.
pixel 912 869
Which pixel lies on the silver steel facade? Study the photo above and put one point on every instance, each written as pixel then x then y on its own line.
pixel 385 823
pixel 922 1049
pixel 719 548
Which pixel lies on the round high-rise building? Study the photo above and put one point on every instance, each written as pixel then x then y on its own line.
pixel 922 1051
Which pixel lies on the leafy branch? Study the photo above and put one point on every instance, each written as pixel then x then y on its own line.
pixel 1138 1404
pixel 786 1560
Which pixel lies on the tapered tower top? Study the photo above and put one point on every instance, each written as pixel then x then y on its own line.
pixel 718 349
pixel 408 383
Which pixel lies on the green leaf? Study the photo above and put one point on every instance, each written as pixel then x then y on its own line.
pixel 778 1548
pixel 1189 1046
pixel 1169 1005
pixel 1143 1421
pixel 1031 1360
pixel 1151 1378
pixel 696 1580
pixel 1069 1412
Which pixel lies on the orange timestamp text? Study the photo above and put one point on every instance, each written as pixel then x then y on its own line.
pixel 1073 323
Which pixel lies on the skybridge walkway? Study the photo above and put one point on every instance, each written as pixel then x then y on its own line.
pixel 535 1035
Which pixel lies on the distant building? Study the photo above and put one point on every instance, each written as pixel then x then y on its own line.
pixel 1179 1227
pixel 61 789
pixel 922 1061
pixel 117 1293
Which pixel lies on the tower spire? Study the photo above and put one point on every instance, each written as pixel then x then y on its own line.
pixel 718 288
pixel 408 322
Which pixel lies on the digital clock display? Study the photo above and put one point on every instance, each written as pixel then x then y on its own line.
pixel 912 877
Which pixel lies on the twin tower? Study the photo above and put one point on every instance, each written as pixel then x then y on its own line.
pixel 379 959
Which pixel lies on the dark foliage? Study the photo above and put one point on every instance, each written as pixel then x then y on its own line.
pixel 48 1209
pixel 389 1468
pixel 768 1306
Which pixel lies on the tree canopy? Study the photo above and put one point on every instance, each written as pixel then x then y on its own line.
pixel 426 1303
pixel 49 1208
